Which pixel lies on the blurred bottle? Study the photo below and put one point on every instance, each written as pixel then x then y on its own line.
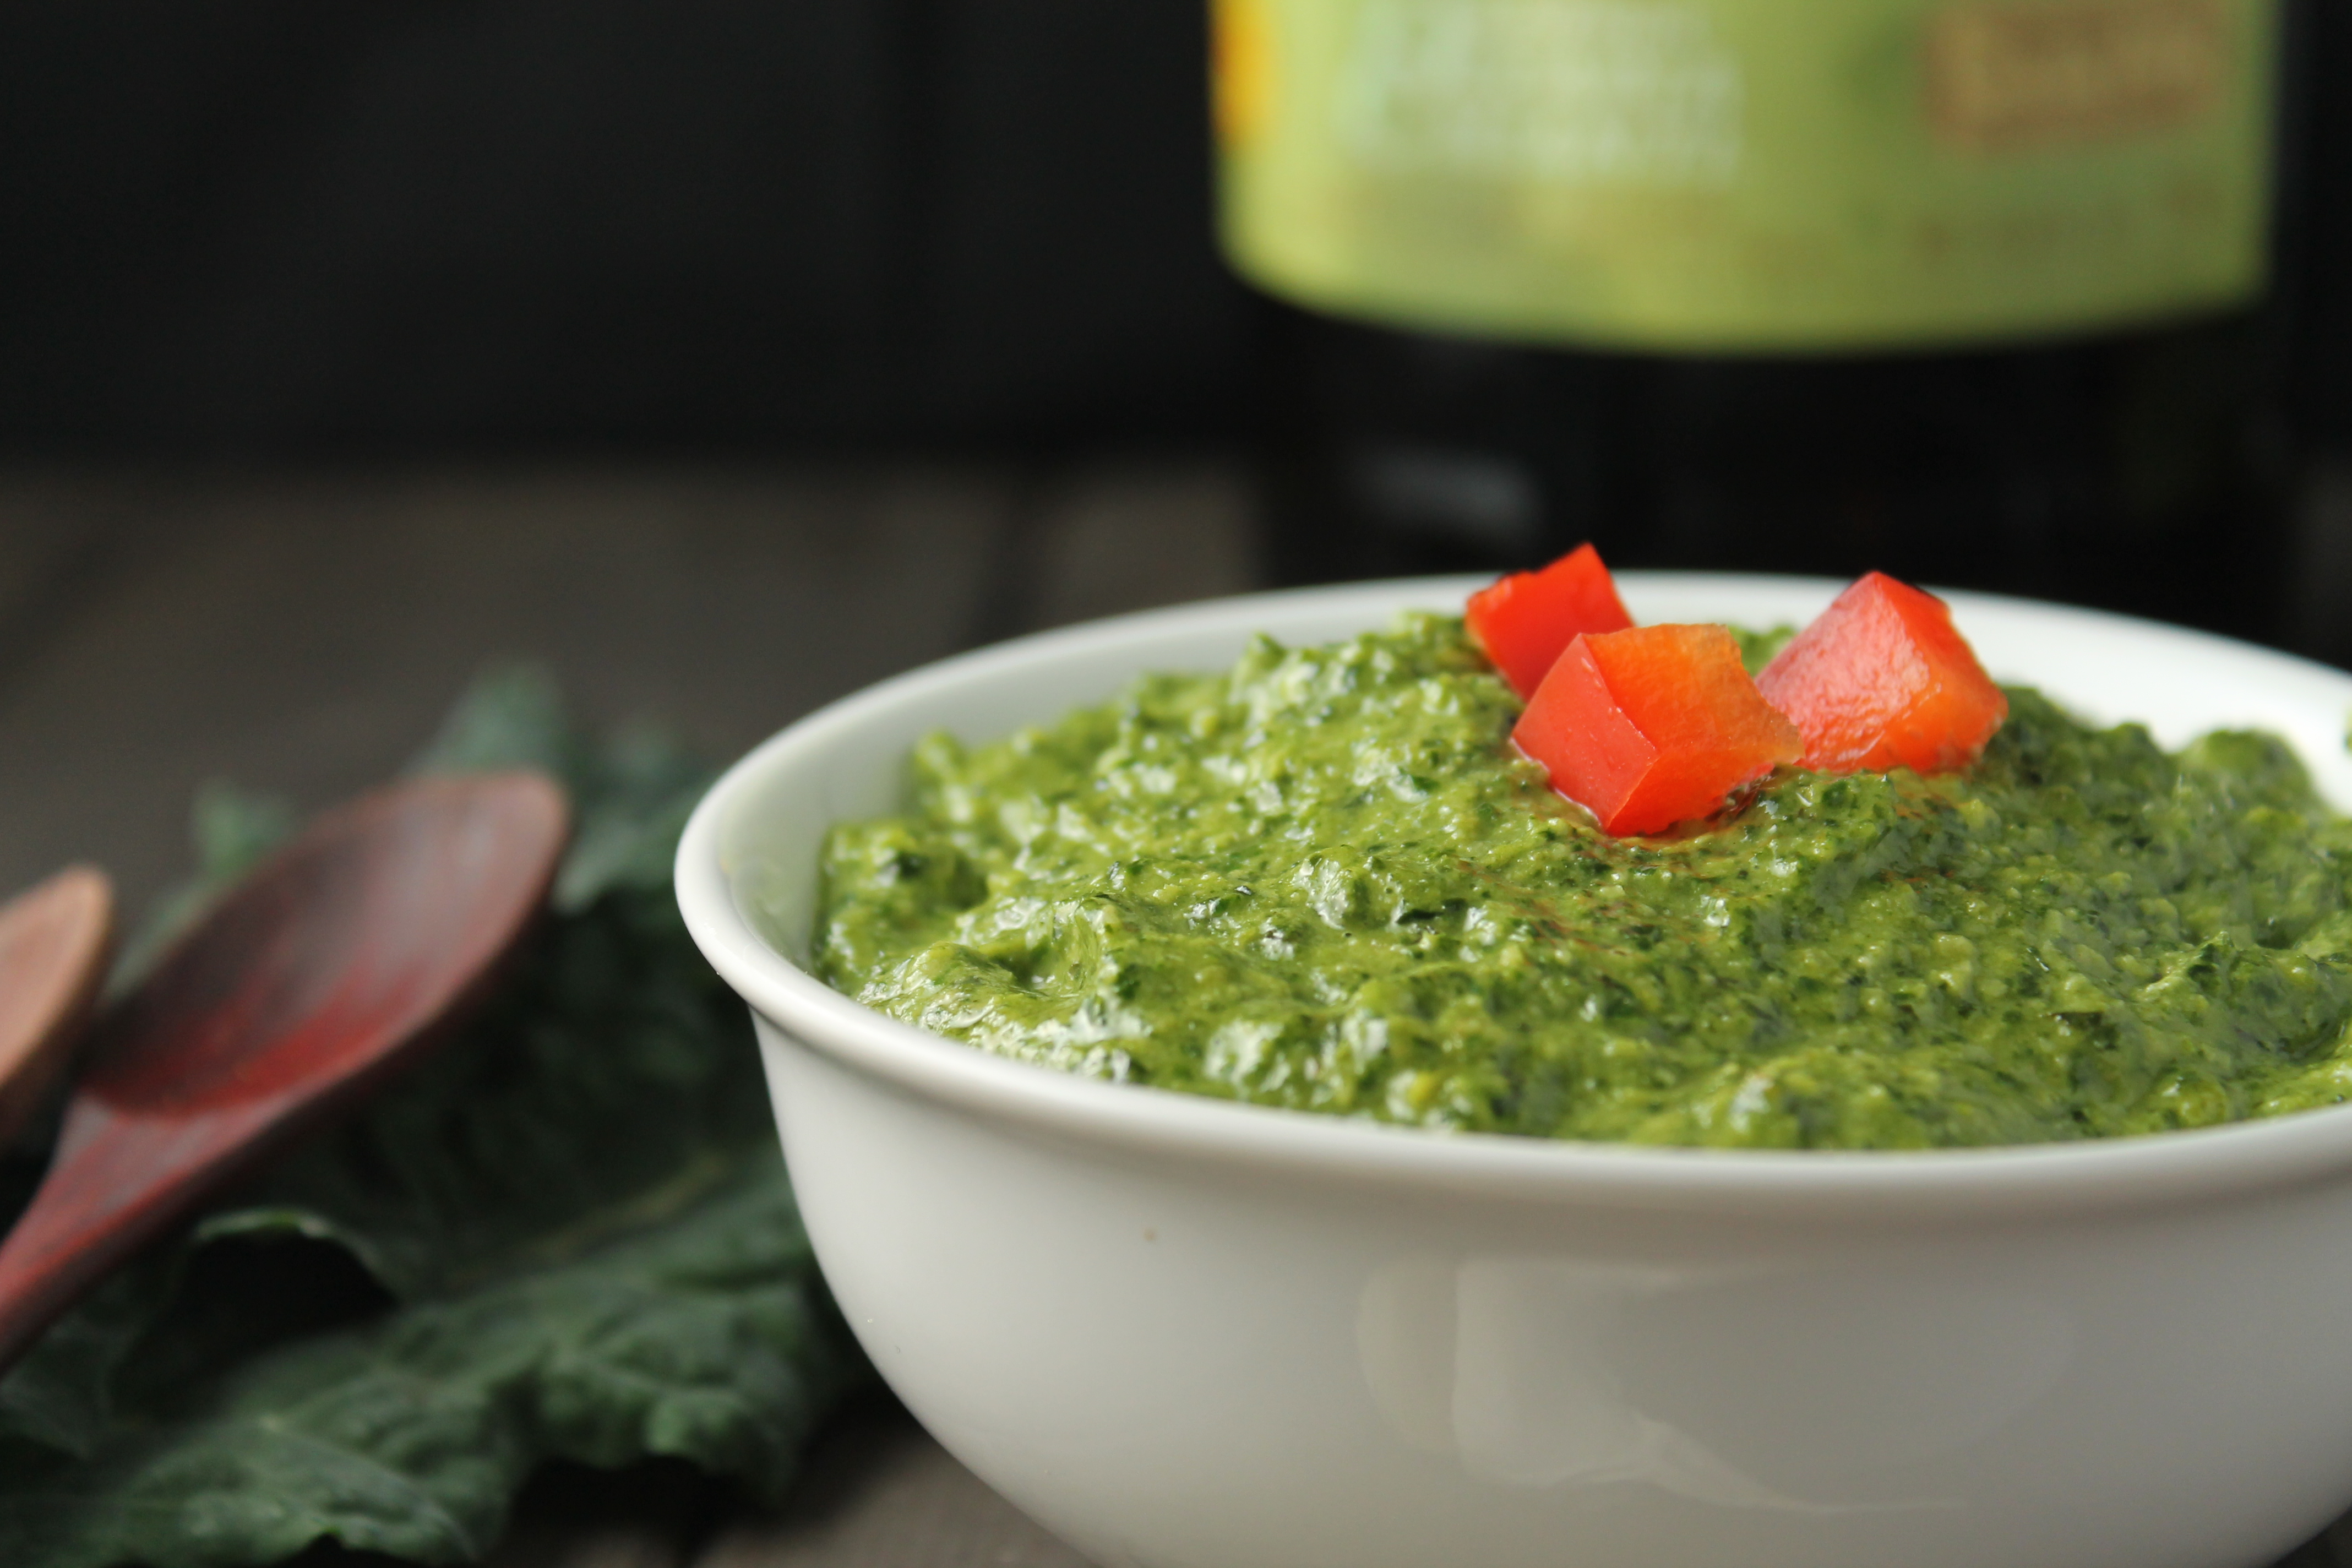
pixel 1969 290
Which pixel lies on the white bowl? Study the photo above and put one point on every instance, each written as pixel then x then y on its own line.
pixel 1186 1334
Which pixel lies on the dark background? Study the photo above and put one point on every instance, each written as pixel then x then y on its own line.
pixel 2316 255
pixel 275 226
pixel 268 226
pixel 271 229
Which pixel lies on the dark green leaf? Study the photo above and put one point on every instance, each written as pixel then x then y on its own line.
pixel 567 1235
pixel 709 1338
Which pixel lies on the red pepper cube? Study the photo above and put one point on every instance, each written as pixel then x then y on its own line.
pixel 1653 726
pixel 1883 680
pixel 1525 619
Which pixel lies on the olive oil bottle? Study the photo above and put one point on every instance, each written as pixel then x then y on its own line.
pixel 1974 291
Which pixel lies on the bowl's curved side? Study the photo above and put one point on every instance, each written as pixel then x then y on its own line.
pixel 1173 1361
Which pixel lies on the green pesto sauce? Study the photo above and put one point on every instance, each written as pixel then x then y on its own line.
pixel 1324 881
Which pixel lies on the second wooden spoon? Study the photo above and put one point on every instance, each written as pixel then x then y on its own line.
pixel 54 940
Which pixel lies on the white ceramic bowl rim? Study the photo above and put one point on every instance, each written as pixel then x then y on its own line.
pixel 2150 1170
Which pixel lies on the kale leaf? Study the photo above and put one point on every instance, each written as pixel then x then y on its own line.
pixel 567 1235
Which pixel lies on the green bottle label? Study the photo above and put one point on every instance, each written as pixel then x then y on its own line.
pixel 1748 174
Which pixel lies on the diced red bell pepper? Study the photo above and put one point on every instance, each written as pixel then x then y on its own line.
pixel 1525 620
pixel 1653 726
pixel 1881 680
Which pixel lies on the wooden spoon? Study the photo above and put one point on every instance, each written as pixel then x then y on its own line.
pixel 54 942
pixel 334 963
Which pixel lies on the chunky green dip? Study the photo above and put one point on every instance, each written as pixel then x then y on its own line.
pixel 1324 879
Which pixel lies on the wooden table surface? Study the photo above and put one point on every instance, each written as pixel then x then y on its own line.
pixel 301 631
